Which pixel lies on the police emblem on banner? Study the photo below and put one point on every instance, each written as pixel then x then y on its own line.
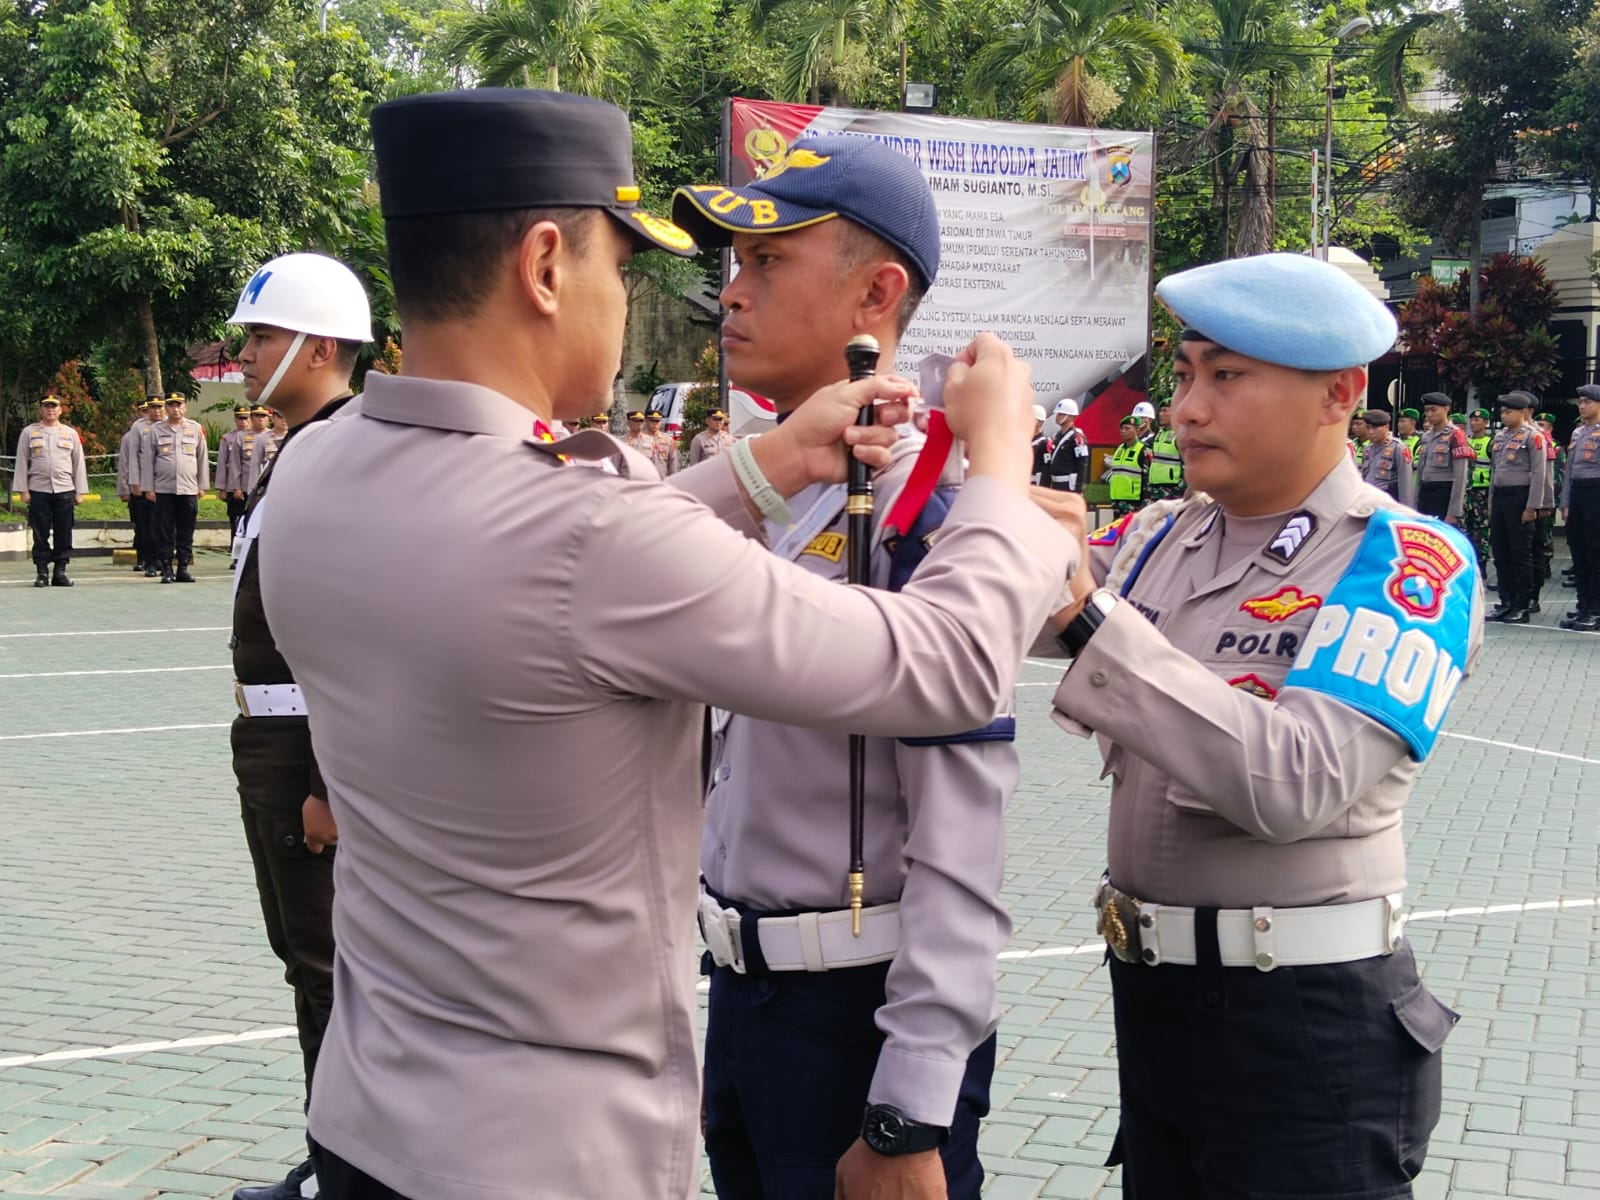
pixel 1423 571
pixel 1119 167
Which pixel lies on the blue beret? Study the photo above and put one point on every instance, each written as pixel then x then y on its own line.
pixel 1287 309
pixel 821 178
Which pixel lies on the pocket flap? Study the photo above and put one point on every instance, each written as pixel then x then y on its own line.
pixel 1425 1017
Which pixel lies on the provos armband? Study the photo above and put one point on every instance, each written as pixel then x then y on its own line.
pixel 1391 639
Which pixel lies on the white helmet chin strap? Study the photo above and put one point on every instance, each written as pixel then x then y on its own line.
pixel 283 365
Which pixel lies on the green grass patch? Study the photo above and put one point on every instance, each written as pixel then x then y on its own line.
pixel 111 509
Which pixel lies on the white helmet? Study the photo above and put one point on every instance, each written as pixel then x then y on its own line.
pixel 1038 412
pixel 1145 409
pixel 307 293
pixel 1067 408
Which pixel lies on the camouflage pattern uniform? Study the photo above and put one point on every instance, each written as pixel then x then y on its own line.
pixel 1475 517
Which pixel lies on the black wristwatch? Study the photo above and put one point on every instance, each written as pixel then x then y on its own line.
pixel 1081 628
pixel 889 1132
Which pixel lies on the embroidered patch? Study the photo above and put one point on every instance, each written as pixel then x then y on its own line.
pixel 1110 535
pixel 1255 685
pixel 827 545
pixel 1281 605
pixel 1423 571
pixel 1287 541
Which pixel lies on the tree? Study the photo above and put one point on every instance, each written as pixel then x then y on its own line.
pixel 594 47
pixel 1080 59
pixel 1503 344
pixel 152 153
pixel 830 42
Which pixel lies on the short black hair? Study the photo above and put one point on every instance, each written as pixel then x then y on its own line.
pixel 859 245
pixel 444 267
pixel 345 355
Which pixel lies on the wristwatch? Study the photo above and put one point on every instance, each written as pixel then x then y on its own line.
pixel 1081 628
pixel 889 1132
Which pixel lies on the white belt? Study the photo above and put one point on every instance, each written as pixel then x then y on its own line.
pixel 269 699
pixel 1263 938
pixel 808 942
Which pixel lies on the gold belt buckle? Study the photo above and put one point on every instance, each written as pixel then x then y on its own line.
pixel 1119 922
pixel 238 699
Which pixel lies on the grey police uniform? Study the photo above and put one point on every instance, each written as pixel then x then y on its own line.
pixel 1443 458
pixel 261 450
pixel 131 488
pixel 1580 498
pixel 1264 690
pixel 526 789
pixel 50 468
pixel 708 445
pixel 1519 479
pixel 175 466
pixel 1387 467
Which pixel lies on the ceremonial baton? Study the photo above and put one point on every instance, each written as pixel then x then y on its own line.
pixel 861 355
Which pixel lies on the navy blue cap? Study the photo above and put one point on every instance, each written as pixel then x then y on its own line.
pixel 819 179
pixel 500 149
pixel 1589 392
pixel 1435 400
pixel 1518 399
pixel 1286 309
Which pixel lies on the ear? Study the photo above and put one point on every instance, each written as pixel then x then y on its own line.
pixel 323 351
pixel 1346 389
pixel 539 266
pixel 886 288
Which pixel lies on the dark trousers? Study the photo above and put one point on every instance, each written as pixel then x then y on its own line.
pixel 1321 1083
pixel 1511 541
pixel 338 1180
pixel 1583 539
pixel 50 518
pixel 174 525
pixel 788 1061
pixel 1433 497
pixel 272 760
pixel 139 517
pixel 235 511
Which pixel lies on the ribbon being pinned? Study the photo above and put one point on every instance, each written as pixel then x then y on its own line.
pixel 941 461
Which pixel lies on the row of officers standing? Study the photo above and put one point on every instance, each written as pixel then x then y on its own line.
pixel 1145 465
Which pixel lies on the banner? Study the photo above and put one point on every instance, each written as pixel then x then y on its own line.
pixel 1046 241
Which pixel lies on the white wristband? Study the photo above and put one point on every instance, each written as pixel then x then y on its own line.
pixel 762 494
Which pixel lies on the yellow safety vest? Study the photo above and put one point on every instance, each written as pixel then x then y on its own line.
pixel 1166 466
pixel 1481 459
pixel 1127 480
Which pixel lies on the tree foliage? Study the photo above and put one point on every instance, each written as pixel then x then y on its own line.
pixel 1504 344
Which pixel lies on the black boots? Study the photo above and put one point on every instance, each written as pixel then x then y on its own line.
pixel 44 576
pixel 59 579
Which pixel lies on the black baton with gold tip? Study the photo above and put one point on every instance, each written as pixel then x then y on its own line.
pixel 861 354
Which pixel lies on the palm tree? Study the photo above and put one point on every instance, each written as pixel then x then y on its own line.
pixel 1247 53
pixel 829 40
pixel 1079 59
pixel 585 46
pixel 1392 43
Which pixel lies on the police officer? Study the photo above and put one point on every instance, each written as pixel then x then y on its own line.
pixel 1273 1038
pixel 130 489
pixel 1480 439
pixel 1386 463
pixel 1519 488
pixel 1144 415
pixel 893 1099
pixel 50 478
pixel 1358 438
pixel 1544 529
pixel 175 469
pixel 1069 456
pixel 1580 508
pixel 1041 448
pixel 517 790
pixel 1166 464
pixel 636 438
pixel 229 480
pixel 663 451
pixel 258 447
pixel 1406 431
pixel 712 440
pixel 1442 460
pixel 141 511
pixel 1127 469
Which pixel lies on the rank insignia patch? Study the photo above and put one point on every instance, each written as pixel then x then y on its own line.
pixel 1281 605
pixel 1426 564
pixel 1255 685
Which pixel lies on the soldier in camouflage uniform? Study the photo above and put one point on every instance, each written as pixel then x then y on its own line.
pixel 1544 534
pixel 1475 522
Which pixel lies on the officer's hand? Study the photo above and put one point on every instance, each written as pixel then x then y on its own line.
pixel 316 819
pixel 811 446
pixel 864 1174
pixel 1529 514
pixel 1563 515
pixel 150 496
pixel 23 496
pixel 988 400
pixel 76 500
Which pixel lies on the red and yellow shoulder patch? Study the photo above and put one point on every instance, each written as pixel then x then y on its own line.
pixel 1110 535
pixel 1281 605
pixel 1255 685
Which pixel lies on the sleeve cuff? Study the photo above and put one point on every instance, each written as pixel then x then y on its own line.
pixel 925 1089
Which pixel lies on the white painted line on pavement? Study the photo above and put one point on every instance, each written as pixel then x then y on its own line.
pixel 1094 947
pixel 131 580
pixel 27 737
pixel 1467 737
pixel 125 671
pixel 188 1043
pixel 119 632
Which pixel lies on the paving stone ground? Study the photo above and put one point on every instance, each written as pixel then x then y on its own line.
pixel 127 915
